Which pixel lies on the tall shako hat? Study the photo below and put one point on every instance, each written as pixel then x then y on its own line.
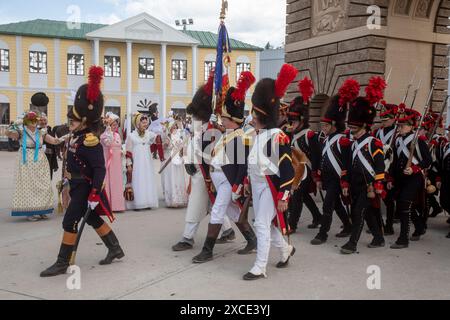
pixel 408 116
pixel 362 111
pixel 388 110
pixel 430 120
pixel 267 95
pixel 336 111
pixel 299 107
pixel 88 104
pixel 201 105
pixel 235 100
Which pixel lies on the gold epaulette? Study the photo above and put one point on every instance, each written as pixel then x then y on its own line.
pixel 91 140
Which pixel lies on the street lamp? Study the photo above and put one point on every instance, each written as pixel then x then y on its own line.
pixel 184 23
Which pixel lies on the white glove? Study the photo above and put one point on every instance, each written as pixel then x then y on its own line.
pixel 213 118
pixel 236 194
pixel 93 205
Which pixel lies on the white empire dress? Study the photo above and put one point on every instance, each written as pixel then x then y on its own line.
pixel 174 176
pixel 144 178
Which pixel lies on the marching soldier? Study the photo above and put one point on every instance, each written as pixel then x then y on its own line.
pixel 431 191
pixel 443 177
pixel 307 141
pixel 365 181
pixel 336 155
pixel 200 193
pixel 409 180
pixel 387 135
pixel 228 169
pixel 86 171
pixel 271 172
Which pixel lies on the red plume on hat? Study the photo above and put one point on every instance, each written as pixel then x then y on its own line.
pixel 349 91
pixel 287 75
pixel 375 89
pixel 306 88
pixel 246 80
pixel 95 80
pixel 208 88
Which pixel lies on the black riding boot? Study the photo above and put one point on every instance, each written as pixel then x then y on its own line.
pixel 207 251
pixel 114 249
pixel 62 263
pixel 250 236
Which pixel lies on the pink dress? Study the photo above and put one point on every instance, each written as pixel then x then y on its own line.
pixel 112 148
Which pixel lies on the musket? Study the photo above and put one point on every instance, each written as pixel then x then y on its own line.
pixel 415 93
pixel 416 134
pixel 173 154
pixel 409 86
pixel 438 120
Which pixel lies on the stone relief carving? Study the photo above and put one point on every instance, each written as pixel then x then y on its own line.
pixel 423 9
pixel 402 7
pixel 328 16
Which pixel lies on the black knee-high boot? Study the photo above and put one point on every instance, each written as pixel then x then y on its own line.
pixel 208 247
pixel 114 249
pixel 63 260
pixel 249 235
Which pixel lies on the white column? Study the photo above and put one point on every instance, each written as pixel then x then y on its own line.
pixel 129 84
pixel 194 69
pixel 163 78
pixel 57 101
pixel 19 73
pixel 96 52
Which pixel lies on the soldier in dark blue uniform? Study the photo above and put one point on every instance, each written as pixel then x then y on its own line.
pixel 443 177
pixel 307 141
pixel 366 174
pixel 387 135
pixel 409 181
pixel 336 154
pixel 86 172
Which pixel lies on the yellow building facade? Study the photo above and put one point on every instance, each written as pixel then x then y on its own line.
pixel 144 59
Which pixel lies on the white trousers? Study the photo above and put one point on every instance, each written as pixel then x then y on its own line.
pixel 223 206
pixel 266 232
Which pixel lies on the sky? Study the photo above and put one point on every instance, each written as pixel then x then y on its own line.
pixel 253 21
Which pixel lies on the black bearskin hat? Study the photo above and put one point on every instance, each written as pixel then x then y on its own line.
pixel 88 104
pixel 40 99
pixel 201 106
pixel 362 113
pixel 335 114
pixel 267 95
pixel 235 100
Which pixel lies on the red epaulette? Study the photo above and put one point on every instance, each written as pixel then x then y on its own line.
pixel 311 134
pixel 282 139
pixel 423 138
pixel 345 142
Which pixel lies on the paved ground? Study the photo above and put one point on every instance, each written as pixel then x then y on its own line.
pixel 152 271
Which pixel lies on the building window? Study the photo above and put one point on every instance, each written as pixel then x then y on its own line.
pixel 4 60
pixel 4 113
pixel 241 67
pixel 115 110
pixel 38 62
pixel 75 64
pixel 179 69
pixel 112 66
pixel 146 68
pixel 209 66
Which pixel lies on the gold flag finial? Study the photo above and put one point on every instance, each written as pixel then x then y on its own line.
pixel 224 10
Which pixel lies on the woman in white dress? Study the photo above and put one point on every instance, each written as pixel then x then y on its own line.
pixel 174 176
pixel 141 179
pixel 33 194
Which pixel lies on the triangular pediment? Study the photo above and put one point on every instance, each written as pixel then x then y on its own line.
pixel 142 28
